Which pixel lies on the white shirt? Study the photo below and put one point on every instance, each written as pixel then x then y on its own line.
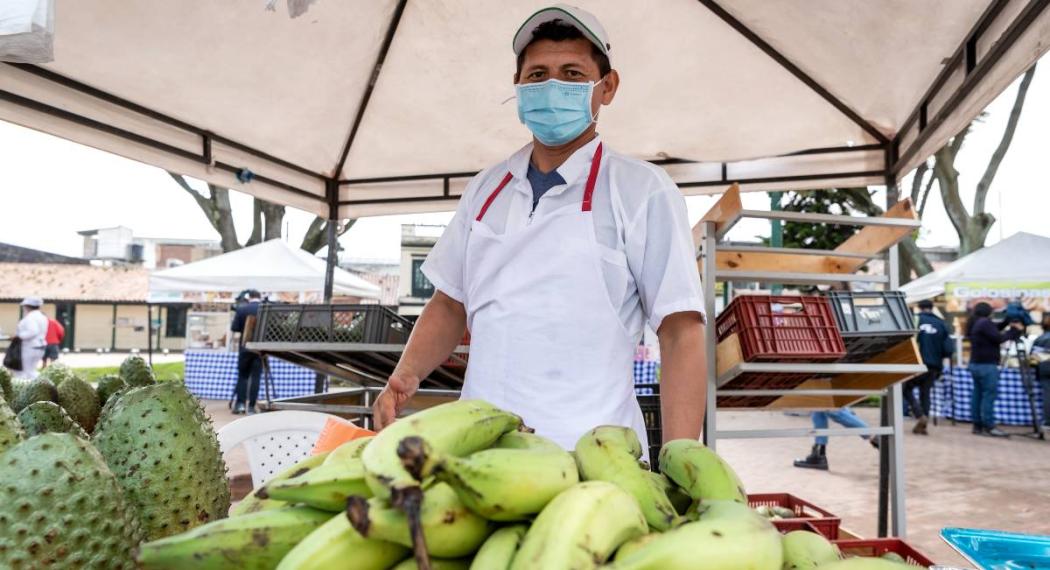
pixel 649 262
pixel 32 329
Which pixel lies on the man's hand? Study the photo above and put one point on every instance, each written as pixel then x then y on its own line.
pixel 399 388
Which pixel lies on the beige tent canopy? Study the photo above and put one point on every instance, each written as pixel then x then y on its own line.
pixel 389 106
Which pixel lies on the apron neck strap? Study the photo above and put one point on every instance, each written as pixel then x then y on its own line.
pixel 588 191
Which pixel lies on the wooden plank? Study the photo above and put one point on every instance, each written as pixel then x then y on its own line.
pixel 725 212
pixel 784 262
pixel 876 239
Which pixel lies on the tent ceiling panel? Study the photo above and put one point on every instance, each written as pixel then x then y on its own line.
pixel 286 87
pixel 877 57
pixel 711 102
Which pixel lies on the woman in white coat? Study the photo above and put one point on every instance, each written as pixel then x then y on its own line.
pixel 32 329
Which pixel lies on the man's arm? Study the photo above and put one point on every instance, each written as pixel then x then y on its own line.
pixel 683 375
pixel 437 332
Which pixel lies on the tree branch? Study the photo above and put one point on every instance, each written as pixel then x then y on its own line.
pixel 948 181
pixel 916 181
pixel 257 215
pixel 921 203
pixel 985 184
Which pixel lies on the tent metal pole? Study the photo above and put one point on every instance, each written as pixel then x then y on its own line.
pixel 331 237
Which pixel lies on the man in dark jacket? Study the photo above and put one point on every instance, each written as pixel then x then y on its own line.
pixel 935 344
pixel 249 365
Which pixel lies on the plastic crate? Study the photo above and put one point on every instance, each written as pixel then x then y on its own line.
pixel 799 328
pixel 876 547
pixel 789 525
pixel 822 520
pixel 871 322
pixel 760 381
pixel 654 428
pixel 373 324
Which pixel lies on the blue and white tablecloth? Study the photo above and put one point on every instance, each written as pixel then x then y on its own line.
pixel 646 377
pixel 212 374
pixel 951 396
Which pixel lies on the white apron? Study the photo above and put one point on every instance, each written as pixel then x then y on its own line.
pixel 545 340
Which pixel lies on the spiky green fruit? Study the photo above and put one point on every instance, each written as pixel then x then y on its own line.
pixel 80 401
pixel 11 431
pixel 57 373
pixel 62 508
pixel 6 389
pixel 162 448
pixel 108 385
pixel 136 372
pixel 36 390
pixel 43 417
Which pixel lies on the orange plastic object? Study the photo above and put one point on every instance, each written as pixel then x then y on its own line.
pixel 336 432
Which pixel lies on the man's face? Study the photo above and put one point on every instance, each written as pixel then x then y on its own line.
pixel 567 60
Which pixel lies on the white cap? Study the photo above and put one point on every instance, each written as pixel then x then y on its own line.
pixel 32 302
pixel 578 18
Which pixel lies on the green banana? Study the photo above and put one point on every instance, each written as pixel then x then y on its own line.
pixel 435 564
pixel 326 487
pixel 727 537
pixel 862 563
pixel 611 453
pixel 258 540
pixel 456 428
pixel 449 528
pixel 253 503
pixel 805 550
pixel 675 494
pixel 498 484
pixel 700 472
pixel 632 546
pixel 336 544
pixel 525 440
pixel 498 551
pixel 581 528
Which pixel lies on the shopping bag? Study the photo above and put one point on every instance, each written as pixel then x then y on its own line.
pixel 27 30
pixel 13 356
pixel 336 432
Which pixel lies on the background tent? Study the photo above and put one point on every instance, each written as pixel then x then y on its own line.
pixel 1022 257
pixel 269 266
pixel 388 106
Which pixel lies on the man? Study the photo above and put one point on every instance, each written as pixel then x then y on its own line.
pixel 818 456
pixel 558 256
pixel 935 344
pixel 55 333
pixel 32 329
pixel 249 365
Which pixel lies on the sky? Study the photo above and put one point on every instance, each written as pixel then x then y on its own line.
pixel 53 188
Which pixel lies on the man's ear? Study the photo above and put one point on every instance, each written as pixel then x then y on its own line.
pixel 609 86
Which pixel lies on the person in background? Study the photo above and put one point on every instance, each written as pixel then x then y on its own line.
pixel 934 345
pixel 1041 354
pixel 1016 311
pixel 249 364
pixel 32 329
pixel 55 333
pixel 818 457
pixel 985 339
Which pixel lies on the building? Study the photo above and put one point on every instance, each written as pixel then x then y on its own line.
pixel 386 274
pixel 414 289
pixel 118 245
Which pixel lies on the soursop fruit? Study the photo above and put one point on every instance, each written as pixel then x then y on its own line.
pixel 11 431
pixel 162 448
pixel 43 417
pixel 109 385
pixel 57 373
pixel 36 390
pixel 62 508
pixel 80 401
pixel 6 389
pixel 136 372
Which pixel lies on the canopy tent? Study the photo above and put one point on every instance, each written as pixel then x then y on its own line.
pixel 1022 257
pixel 269 266
pixel 389 106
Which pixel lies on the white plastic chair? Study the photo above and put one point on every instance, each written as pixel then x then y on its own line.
pixel 273 440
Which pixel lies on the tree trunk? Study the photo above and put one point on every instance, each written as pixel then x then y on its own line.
pixel 273 215
pixel 317 234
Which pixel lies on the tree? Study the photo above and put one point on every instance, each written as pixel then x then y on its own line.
pixel 817 236
pixel 267 219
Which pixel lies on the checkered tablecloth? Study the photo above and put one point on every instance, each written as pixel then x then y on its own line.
pixel 212 375
pixel 950 397
pixel 646 377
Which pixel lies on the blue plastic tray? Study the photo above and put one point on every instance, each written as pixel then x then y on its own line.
pixel 997 550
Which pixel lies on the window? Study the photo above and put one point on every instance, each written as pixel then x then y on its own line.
pixel 175 323
pixel 421 286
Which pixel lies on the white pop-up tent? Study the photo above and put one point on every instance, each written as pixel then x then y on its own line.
pixel 273 266
pixel 1020 258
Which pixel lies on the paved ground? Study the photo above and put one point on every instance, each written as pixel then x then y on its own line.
pixel 953 478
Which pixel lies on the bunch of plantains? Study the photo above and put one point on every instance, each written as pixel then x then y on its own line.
pixel 465 485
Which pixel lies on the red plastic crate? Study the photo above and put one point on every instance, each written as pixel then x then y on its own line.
pixel 799 328
pixel 789 525
pixel 822 520
pixel 875 547
pixel 759 381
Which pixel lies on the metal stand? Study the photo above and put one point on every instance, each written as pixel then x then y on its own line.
pixel 891 464
pixel 1023 369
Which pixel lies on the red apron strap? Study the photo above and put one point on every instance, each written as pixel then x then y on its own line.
pixel 488 202
pixel 596 162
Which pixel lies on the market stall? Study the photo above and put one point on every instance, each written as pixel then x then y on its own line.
pixel 950 397
pixel 283 273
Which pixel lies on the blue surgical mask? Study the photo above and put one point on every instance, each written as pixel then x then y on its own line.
pixel 555 111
